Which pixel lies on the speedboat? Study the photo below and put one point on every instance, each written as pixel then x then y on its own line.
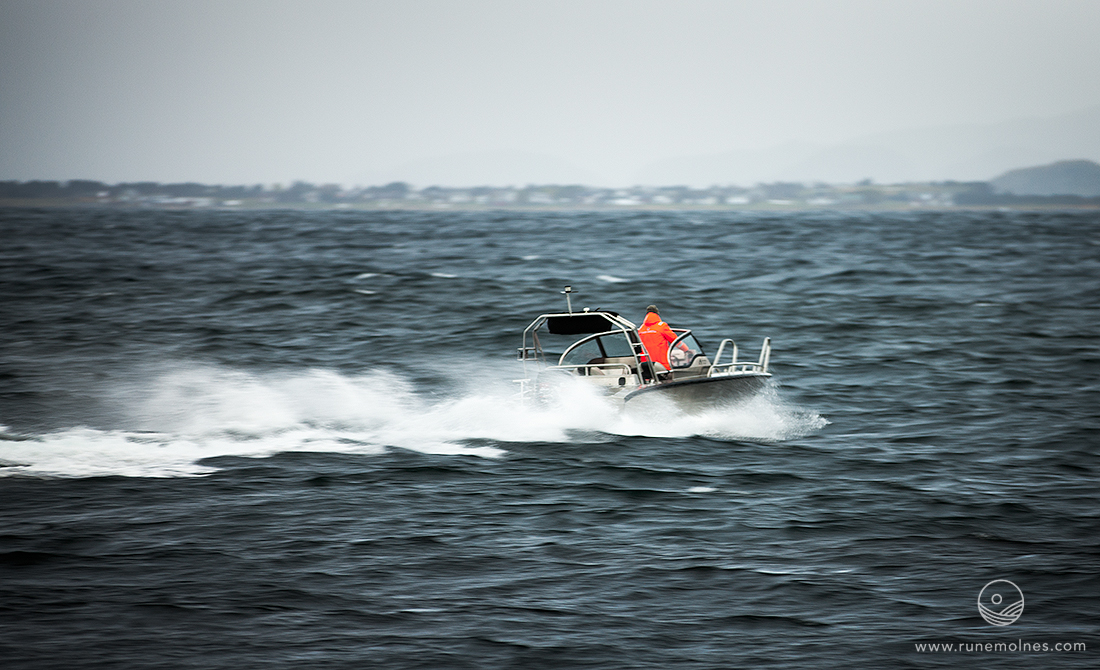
pixel 610 357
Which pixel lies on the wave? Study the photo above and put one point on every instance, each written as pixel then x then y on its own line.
pixel 180 415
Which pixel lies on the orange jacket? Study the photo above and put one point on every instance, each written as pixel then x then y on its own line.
pixel 656 336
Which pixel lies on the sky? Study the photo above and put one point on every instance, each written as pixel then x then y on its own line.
pixel 356 93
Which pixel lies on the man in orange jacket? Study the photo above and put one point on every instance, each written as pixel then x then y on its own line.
pixel 656 336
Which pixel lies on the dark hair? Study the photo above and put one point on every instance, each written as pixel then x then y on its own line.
pixel 652 308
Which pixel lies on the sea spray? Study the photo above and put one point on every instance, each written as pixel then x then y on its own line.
pixel 182 414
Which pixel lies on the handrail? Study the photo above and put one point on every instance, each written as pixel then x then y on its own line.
pixel 735 366
pixel 765 354
pixel 730 368
pixel 590 366
pixel 722 349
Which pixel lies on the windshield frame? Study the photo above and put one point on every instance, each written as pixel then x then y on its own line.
pixel 686 338
pixel 599 343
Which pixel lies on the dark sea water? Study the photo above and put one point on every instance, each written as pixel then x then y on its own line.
pixel 290 439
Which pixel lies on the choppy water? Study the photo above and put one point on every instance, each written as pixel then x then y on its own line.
pixel 290 439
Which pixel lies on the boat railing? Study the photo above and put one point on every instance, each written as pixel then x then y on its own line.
pixel 735 366
pixel 595 369
pixel 722 349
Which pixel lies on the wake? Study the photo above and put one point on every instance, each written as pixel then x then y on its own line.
pixel 180 416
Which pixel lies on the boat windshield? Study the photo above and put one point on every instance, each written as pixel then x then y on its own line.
pixel 597 349
pixel 685 350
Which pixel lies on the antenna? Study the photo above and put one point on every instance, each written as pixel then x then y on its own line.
pixel 568 302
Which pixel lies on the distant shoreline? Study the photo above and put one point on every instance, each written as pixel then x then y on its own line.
pixel 762 207
pixel 777 197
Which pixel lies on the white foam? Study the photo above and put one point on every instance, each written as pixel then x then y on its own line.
pixel 181 415
pixel 84 452
pixel 444 275
pixel 190 413
pixel 764 418
pixel 611 279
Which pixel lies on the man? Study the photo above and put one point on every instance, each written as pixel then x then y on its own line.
pixel 656 336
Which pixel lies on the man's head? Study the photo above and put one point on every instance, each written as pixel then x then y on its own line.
pixel 652 308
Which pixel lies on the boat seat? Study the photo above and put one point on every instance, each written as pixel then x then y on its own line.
pixel 610 362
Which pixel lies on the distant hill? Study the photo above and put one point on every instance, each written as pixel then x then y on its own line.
pixel 1062 178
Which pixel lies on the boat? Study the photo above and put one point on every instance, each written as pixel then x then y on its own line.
pixel 610 357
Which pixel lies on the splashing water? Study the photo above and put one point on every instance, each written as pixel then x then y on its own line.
pixel 187 414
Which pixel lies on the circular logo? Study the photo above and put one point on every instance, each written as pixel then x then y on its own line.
pixel 1001 602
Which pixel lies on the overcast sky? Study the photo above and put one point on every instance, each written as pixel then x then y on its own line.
pixel 260 91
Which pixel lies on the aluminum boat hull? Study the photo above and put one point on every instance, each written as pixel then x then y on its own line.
pixel 702 393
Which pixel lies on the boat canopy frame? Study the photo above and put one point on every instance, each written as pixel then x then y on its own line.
pixel 588 322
